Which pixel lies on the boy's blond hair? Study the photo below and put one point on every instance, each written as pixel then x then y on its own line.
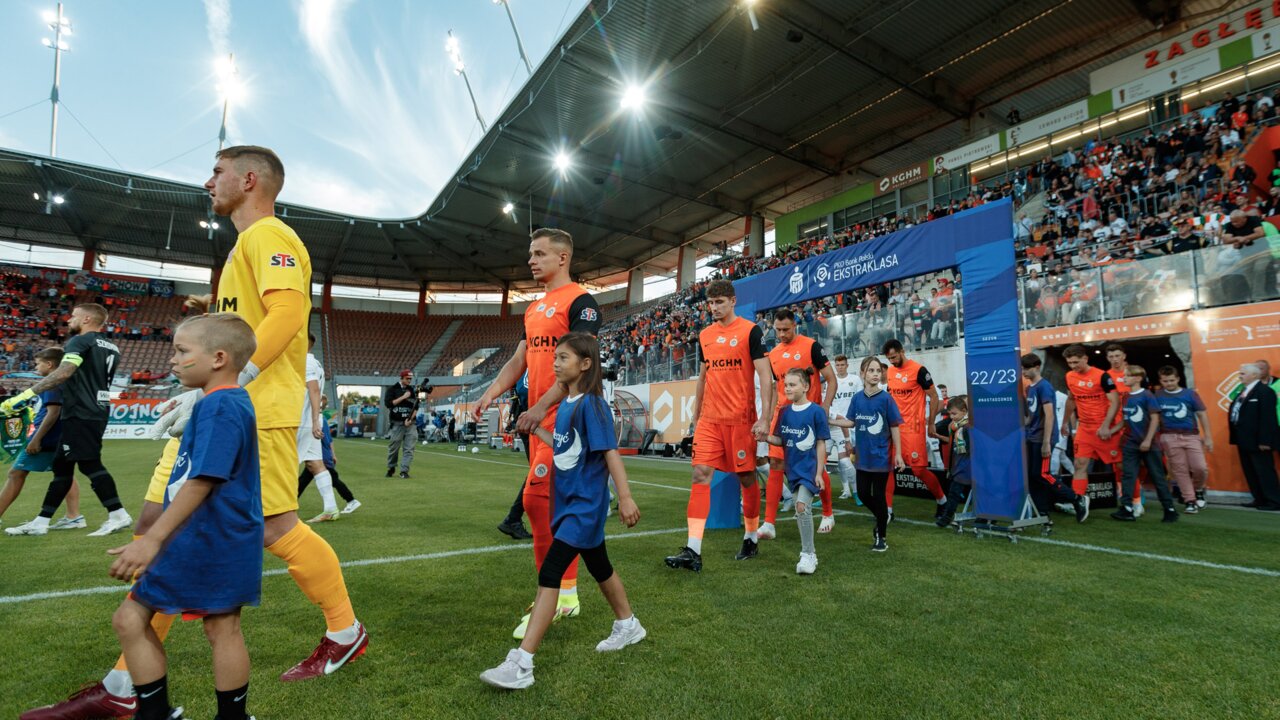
pixel 224 331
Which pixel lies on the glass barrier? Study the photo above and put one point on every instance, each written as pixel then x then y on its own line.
pixel 1155 285
pixel 1230 275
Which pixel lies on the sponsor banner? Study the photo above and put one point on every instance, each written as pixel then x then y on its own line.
pixel 671 408
pixel 1149 326
pixel 161 288
pixel 902 178
pixel 1202 40
pixel 47 274
pixel 974 151
pixel 1059 119
pixel 131 418
pixel 115 283
pixel 1166 78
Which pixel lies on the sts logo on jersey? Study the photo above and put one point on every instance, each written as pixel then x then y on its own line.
pixel 283 260
pixel 588 314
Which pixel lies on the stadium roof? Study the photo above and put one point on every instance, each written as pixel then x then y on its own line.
pixel 825 95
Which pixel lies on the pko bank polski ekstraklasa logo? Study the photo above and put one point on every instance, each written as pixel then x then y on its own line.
pixel 796 282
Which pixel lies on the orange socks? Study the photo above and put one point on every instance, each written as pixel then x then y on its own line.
pixel 772 495
pixel 314 567
pixel 828 510
pixel 930 481
pixel 699 509
pixel 751 507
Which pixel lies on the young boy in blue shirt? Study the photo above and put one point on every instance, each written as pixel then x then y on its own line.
pixel 802 432
pixel 1142 414
pixel 960 470
pixel 203 556
pixel 38 454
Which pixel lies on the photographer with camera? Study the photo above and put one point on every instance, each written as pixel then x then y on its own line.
pixel 402 403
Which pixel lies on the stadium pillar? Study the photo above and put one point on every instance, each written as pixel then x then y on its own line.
pixel 326 296
pixel 217 276
pixel 755 239
pixel 635 287
pixel 504 310
pixel 686 270
pixel 422 301
pixel 89 257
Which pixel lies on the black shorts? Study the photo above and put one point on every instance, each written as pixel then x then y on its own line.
pixel 81 439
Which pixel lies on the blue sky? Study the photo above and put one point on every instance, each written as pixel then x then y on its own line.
pixel 358 97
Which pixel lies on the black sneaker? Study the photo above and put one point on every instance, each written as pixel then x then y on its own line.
pixel 686 558
pixel 516 530
pixel 879 545
pixel 1200 501
pixel 1192 508
pixel 749 549
pixel 1124 514
pixel 404 476
pixel 940 512
pixel 1170 515
pixel 1081 506
pixel 944 520
pixel 391 472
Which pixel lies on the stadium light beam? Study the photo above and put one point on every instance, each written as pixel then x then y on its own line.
pixel 751 14
pixel 229 87
pixel 60 25
pixel 633 98
pixel 563 162
pixel 519 43
pixel 452 47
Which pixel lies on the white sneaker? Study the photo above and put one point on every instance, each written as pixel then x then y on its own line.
pixel 1065 508
pixel 326 516
pixel 828 522
pixel 351 507
pixel 27 528
pixel 787 504
pixel 509 675
pixel 68 523
pixel 124 522
pixel 890 515
pixel 623 634
pixel 1138 510
pixel 767 531
pixel 808 563
pixel 846 495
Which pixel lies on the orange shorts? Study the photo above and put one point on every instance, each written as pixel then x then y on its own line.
pixel 1089 445
pixel 541 468
pixel 915 450
pixel 727 448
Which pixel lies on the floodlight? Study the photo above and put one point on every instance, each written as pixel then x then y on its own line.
pixel 204 224
pixel 508 208
pixel 452 47
pixel 563 161
pixel 35 195
pixel 58 199
pixel 633 98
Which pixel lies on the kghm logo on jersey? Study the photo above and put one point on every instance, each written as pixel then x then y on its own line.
pixel 543 341
pixel 283 260
pixel 722 363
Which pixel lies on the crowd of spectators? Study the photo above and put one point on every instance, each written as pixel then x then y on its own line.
pixel 1082 219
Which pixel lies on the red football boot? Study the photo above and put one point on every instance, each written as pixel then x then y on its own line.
pixel 327 658
pixel 91 702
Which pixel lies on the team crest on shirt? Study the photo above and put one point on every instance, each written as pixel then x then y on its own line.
pixel 541 306
pixel 915 455
pixel 1114 453
pixel 588 314
pixel 551 311
pixel 786 356
pixel 742 454
pixel 283 260
pixel 540 470
pixel 720 340
pixel 733 342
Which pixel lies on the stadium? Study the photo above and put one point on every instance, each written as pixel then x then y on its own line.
pixel 1036 225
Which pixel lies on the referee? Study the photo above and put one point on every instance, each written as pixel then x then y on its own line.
pixel 88 363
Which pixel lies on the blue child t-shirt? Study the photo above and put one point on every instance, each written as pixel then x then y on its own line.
pixel 51 438
pixel 1178 410
pixel 326 449
pixel 213 563
pixel 1038 396
pixel 584 432
pixel 1139 407
pixel 873 416
pixel 801 427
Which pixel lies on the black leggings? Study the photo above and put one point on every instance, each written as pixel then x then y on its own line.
pixel 104 486
pixel 871 487
pixel 561 554
pixel 306 477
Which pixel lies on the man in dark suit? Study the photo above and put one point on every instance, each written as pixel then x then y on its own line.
pixel 1255 432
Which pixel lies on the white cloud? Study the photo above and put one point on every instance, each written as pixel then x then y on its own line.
pixel 218 25
pixel 325 189
pixel 408 120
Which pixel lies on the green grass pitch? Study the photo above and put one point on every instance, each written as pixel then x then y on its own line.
pixel 941 626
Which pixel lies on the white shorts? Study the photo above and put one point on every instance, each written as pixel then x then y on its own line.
pixel 308 446
pixel 762 450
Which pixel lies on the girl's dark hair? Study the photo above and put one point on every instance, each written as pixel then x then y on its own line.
pixel 586 346
pixel 802 373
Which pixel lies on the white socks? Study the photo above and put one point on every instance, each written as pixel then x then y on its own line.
pixel 324 485
pixel 753 536
pixel 118 683
pixel 40 521
pixel 695 544
pixel 120 515
pixel 526 658
pixel 347 636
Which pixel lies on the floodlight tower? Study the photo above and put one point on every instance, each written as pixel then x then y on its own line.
pixel 519 43
pixel 459 68
pixel 228 85
pixel 60 26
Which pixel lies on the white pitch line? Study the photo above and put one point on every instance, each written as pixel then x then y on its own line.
pixel 120 588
